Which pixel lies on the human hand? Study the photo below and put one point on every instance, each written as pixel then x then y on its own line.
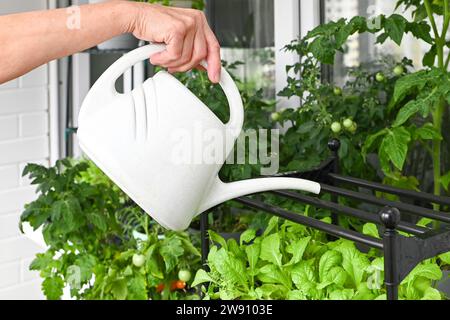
pixel 186 33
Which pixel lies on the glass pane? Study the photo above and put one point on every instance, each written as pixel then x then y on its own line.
pixel 245 29
pixel 362 48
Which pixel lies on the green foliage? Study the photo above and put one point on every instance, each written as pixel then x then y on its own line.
pixel 93 230
pixel 196 4
pixel 256 113
pixel 407 107
pixel 362 99
pixel 287 262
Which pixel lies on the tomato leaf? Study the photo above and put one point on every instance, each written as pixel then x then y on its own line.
pixel 395 145
pixel 53 287
pixel 395 26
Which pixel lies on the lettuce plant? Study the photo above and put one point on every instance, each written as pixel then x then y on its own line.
pixel 290 261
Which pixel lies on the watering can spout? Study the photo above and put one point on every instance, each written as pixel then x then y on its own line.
pixel 221 191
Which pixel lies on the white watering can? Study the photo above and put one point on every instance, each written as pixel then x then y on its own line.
pixel 130 138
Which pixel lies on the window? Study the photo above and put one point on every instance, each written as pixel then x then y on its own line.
pixel 245 30
pixel 362 48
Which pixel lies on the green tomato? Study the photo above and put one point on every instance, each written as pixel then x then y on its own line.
pixel 336 127
pixel 398 70
pixel 379 77
pixel 138 260
pixel 337 91
pixel 347 123
pixel 184 275
pixel 353 128
pixel 275 116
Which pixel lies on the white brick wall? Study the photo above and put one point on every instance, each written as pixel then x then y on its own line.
pixel 24 137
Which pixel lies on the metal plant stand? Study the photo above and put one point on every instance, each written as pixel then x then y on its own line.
pixel 401 253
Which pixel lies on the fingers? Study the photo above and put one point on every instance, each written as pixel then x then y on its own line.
pixel 189 41
pixel 213 55
pixel 173 52
pixel 199 52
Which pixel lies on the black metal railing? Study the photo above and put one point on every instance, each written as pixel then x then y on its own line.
pixel 401 252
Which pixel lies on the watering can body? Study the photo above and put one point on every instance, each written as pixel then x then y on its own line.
pixel 145 141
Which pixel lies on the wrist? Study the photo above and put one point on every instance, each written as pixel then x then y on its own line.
pixel 126 14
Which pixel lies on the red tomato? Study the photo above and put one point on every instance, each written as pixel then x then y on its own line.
pixel 160 287
pixel 180 284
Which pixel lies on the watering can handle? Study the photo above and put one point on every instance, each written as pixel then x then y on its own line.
pixel 108 79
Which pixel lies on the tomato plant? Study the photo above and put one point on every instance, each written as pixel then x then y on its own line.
pixel 101 245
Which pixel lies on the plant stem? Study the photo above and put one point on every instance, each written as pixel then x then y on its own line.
pixel 446 20
pixel 439 110
pixel 437 122
pixel 431 17
pixel 447 61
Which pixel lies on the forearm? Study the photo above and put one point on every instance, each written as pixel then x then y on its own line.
pixel 31 39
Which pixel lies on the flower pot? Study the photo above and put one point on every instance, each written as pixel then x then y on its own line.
pixel 122 42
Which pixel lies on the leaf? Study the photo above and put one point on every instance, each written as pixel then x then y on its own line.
pixel 371 229
pixel 323 50
pixel 371 139
pixel 431 294
pixel 412 82
pixel 86 263
pixel 68 212
pixel 247 236
pixel 189 247
pixel 231 269
pixel 296 295
pixel 445 180
pixel 53 287
pixel 42 261
pixel 420 30
pixel 430 57
pixel 395 26
pixel 119 289
pixel 304 278
pixel 137 288
pixel 427 132
pixel 253 252
pixel 336 275
pixel 98 220
pixel 327 261
pixel 424 222
pixel 344 294
pixel 395 144
pixel 171 249
pixel 353 262
pixel 445 257
pixel 270 249
pixel 271 225
pixel 271 291
pixel 297 249
pixel 429 271
pixel 422 104
pixel 201 277
pixel 408 110
pixel 217 239
pixel 273 274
